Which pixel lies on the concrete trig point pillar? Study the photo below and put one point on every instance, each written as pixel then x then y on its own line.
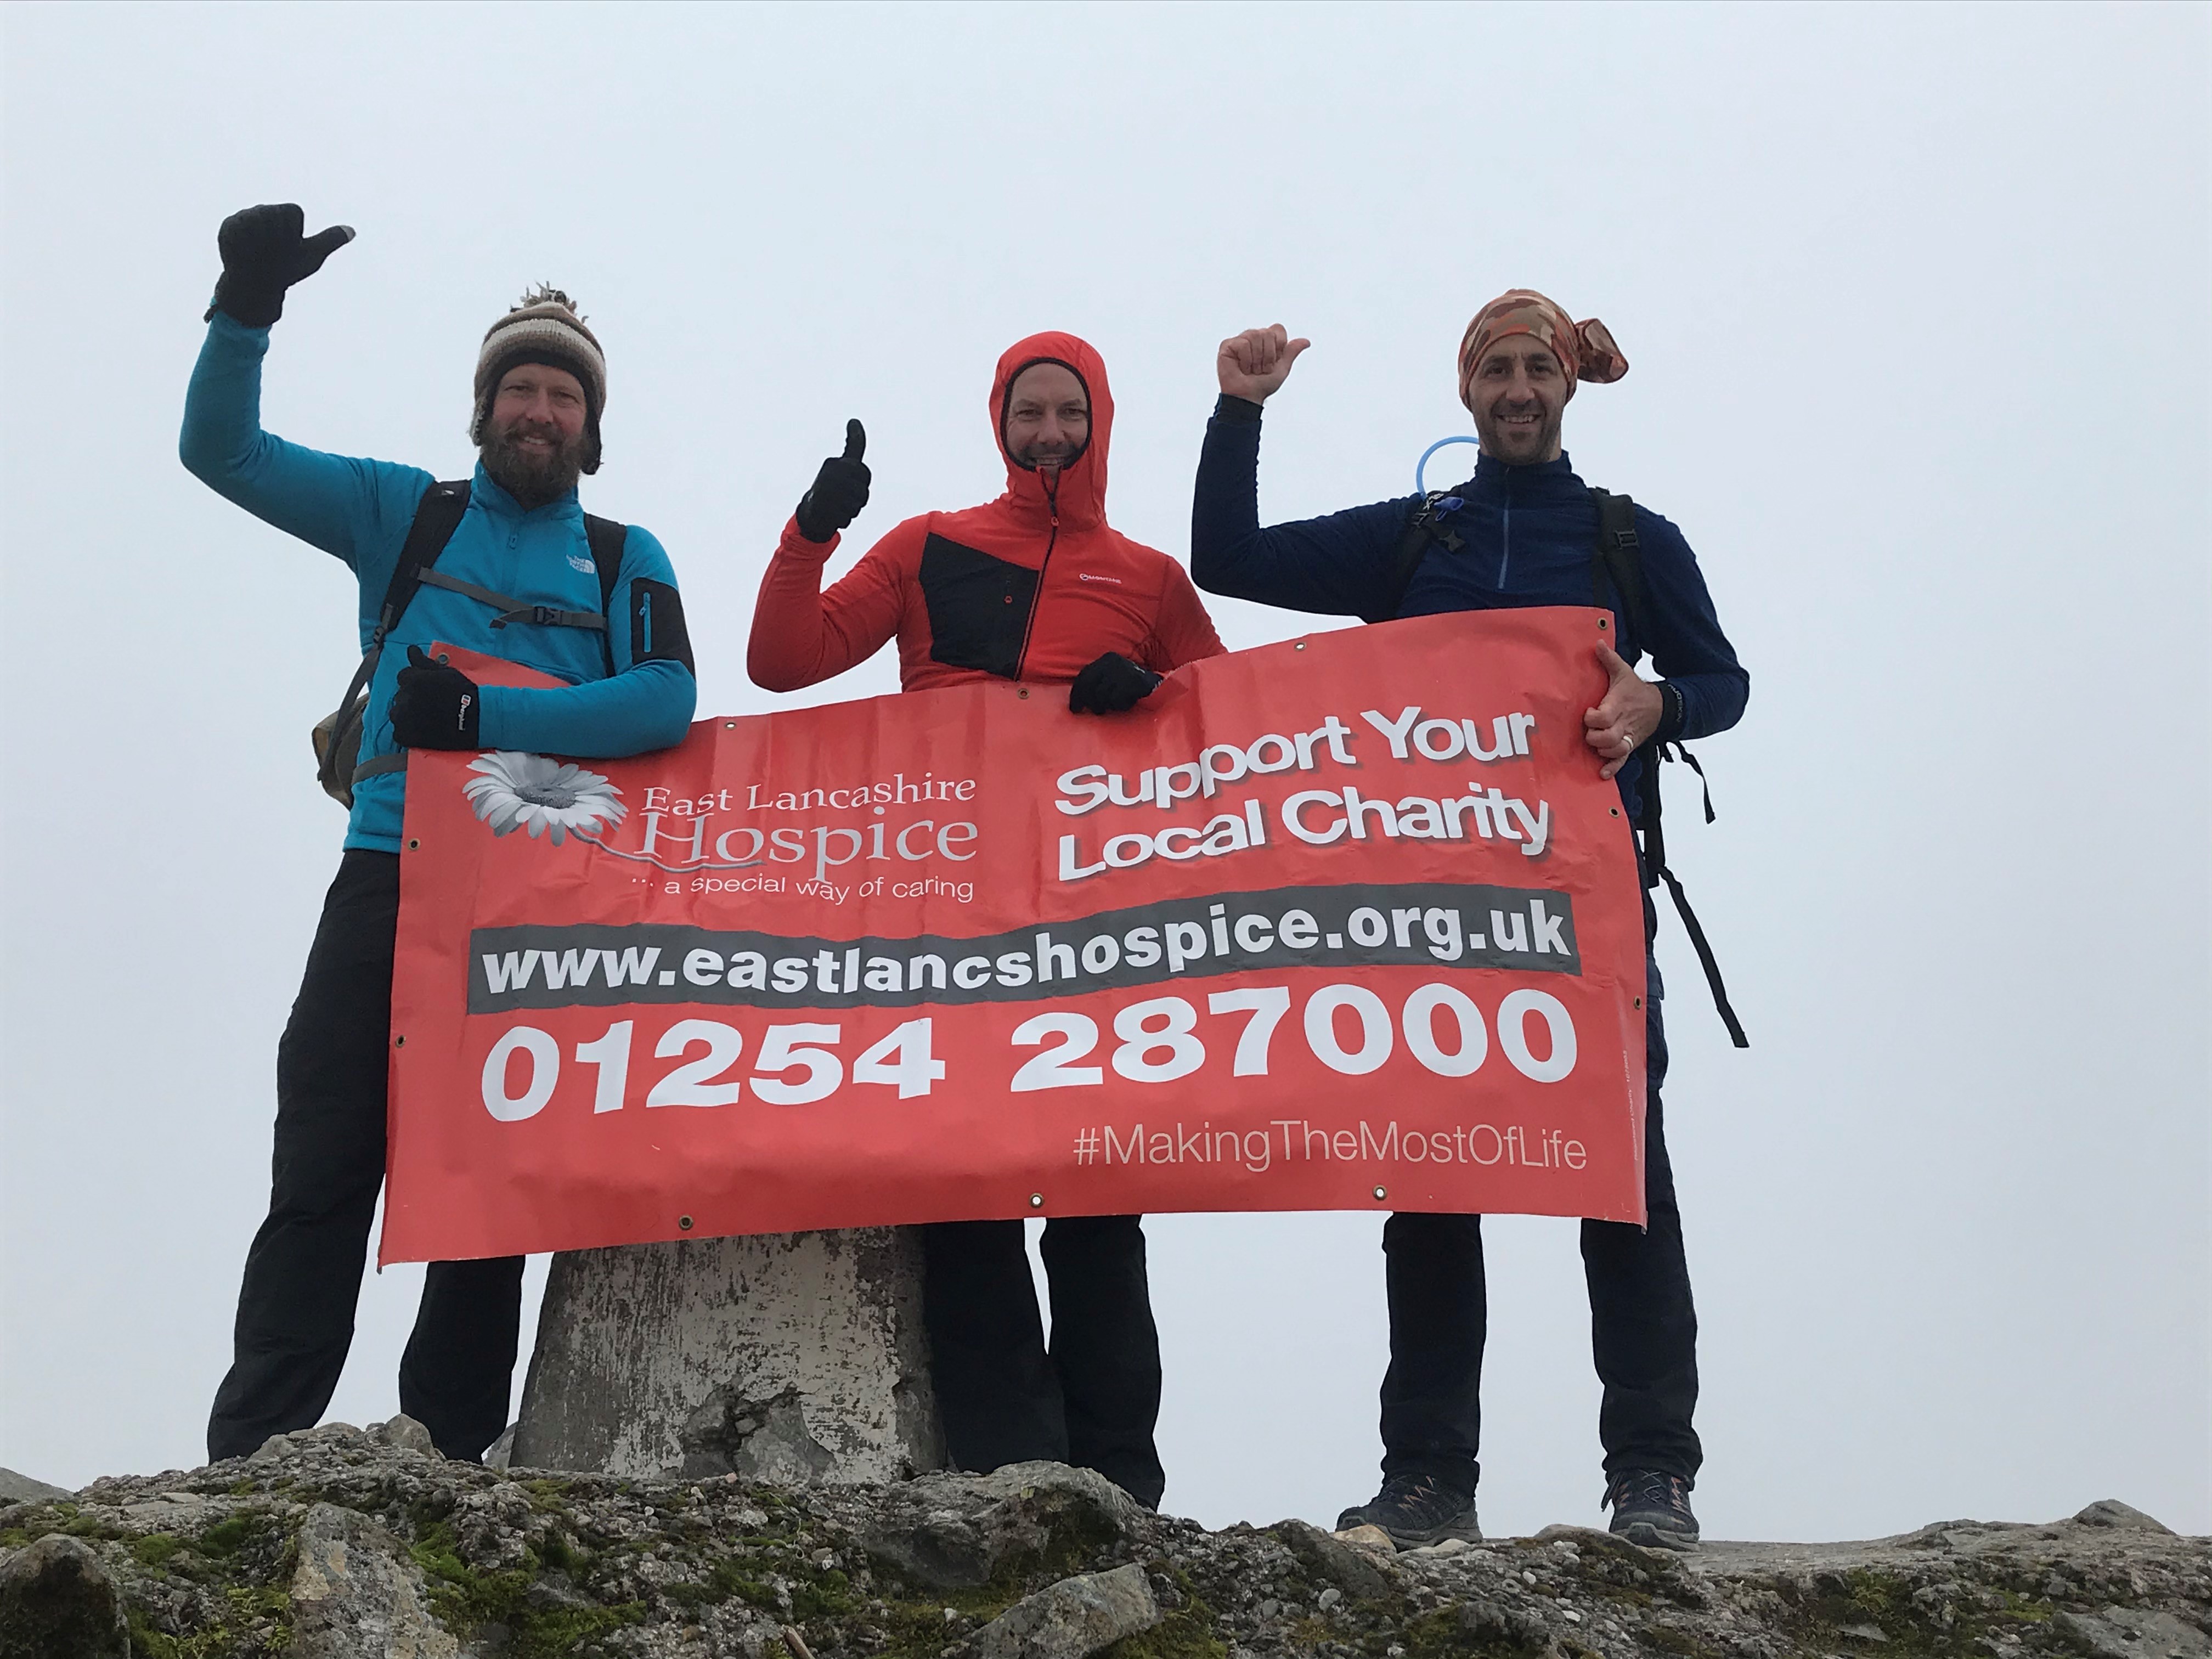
pixel 787 1357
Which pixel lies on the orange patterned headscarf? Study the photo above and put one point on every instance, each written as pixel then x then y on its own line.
pixel 1585 351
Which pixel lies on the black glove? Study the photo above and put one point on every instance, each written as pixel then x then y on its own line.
pixel 434 705
pixel 1112 685
pixel 264 253
pixel 840 489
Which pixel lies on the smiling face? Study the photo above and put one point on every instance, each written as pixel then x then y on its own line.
pixel 533 443
pixel 1519 394
pixel 1047 416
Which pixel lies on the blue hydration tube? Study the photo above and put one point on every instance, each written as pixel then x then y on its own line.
pixel 1421 466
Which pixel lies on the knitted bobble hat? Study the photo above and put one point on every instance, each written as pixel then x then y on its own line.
pixel 545 328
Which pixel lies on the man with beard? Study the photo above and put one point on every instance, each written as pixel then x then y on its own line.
pixel 1523 530
pixel 515 572
pixel 1037 588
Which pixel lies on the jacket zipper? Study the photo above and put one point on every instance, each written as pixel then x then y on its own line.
pixel 1036 599
pixel 1505 557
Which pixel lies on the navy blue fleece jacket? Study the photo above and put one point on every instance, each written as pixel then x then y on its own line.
pixel 1527 536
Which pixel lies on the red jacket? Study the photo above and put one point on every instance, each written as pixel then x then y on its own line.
pixel 1034 586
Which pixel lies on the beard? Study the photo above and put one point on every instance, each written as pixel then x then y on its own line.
pixel 1056 457
pixel 1522 446
pixel 533 477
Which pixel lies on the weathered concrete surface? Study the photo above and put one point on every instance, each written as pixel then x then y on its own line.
pixel 796 1357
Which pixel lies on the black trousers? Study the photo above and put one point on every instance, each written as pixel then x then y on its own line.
pixel 1094 1399
pixel 295 1309
pixel 1643 1329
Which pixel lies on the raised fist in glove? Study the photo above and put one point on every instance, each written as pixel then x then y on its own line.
pixel 265 253
pixel 840 489
pixel 1112 685
pixel 434 705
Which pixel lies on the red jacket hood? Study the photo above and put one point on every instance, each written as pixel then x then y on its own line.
pixel 1080 499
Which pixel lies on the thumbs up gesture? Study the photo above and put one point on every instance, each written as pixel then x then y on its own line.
pixel 264 251
pixel 1255 363
pixel 1629 713
pixel 840 489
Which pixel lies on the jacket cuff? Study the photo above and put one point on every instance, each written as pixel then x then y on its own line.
pixel 492 707
pixel 1237 411
pixel 222 322
pixel 794 540
pixel 1673 712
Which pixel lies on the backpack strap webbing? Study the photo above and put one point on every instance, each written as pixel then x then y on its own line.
pixel 1619 558
pixel 1655 858
pixel 1413 548
pixel 513 610
pixel 607 537
pixel 437 516
pixel 1618 561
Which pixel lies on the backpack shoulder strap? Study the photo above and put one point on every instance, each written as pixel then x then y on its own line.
pixel 1413 548
pixel 1619 559
pixel 607 537
pixel 437 516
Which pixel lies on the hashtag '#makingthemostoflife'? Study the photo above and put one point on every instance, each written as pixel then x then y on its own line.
pixel 1087 1145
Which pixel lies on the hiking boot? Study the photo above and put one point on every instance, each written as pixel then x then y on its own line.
pixel 1652 1508
pixel 1416 1510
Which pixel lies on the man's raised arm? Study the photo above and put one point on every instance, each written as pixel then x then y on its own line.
pixel 1333 566
pixel 345 505
pixel 802 636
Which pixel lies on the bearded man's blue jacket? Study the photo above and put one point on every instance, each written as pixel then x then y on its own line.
pixel 360 511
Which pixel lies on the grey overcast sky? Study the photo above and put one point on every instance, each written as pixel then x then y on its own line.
pixel 1916 301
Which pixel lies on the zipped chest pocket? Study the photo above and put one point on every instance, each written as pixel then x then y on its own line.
pixel 979 607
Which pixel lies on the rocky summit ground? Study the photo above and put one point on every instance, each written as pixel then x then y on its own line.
pixel 346 1544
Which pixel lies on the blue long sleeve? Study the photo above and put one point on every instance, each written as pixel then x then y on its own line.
pixel 1333 566
pixel 348 506
pixel 1510 537
pixel 624 692
pixel 649 707
pixel 1686 645
pixel 641 706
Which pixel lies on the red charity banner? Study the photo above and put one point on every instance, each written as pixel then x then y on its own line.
pixel 1345 922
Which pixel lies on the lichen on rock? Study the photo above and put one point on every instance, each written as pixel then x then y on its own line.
pixel 335 1543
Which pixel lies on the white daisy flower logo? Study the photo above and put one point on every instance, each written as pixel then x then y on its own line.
pixel 544 796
